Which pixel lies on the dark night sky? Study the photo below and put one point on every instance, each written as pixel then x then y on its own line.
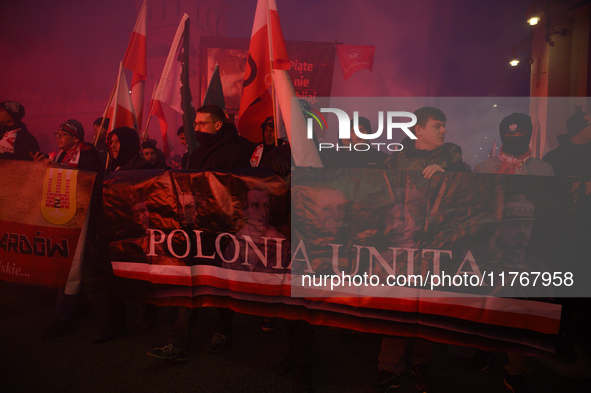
pixel 64 51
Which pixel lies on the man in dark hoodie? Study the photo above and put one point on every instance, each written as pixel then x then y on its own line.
pixel 16 142
pixel 124 155
pixel 572 157
pixel 427 153
pixel 124 150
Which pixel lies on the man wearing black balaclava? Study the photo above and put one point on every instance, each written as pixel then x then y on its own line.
pixel 515 156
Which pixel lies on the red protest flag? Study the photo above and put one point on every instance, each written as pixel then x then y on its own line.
pixel 135 60
pixel 266 52
pixel 354 58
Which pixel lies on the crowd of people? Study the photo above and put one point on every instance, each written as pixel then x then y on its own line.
pixel 222 148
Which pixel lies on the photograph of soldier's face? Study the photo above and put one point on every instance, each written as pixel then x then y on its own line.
pixel 400 226
pixel 257 209
pixel 330 210
pixel 515 234
pixel 141 215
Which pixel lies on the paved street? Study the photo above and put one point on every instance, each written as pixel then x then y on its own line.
pixel 73 364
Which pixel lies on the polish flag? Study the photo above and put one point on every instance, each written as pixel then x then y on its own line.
pixel 303 150
pixel 121 111
pixel 168 89
pixel 159 113
pixel 354 58
pixel 266 52
pixel 135 61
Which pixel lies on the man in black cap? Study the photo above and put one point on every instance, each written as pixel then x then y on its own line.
pixel 77 154
pixel 515 156
pixel 572 157
pixel 16 142
pixel 151 154
pixel 74 152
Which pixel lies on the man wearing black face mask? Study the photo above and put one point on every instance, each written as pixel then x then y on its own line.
pixel 515 156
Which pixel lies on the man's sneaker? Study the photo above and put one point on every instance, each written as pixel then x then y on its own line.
pixel 480 360
pixel 218 342
pixel 56 328
pixel 169 352
pixel 421 373
pixel 516 383
pixel 268 325
pixel 386 382
pixel 107 334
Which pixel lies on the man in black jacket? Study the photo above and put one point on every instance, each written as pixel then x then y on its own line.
pixel 220 147
pixel 16 142
pixel 572 157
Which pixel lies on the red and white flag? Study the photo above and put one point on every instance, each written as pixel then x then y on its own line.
pixel 267 47
pixel 159 113
pixel 121 112
pixel 354 58
pixel 168 89
pixel 135 61
pixel 303 149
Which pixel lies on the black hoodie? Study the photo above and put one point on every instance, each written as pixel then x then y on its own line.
pixel 222 150
pixel 129 151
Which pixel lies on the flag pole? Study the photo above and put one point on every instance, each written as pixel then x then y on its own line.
pixel 97 136
pixel 145 133
pixel 270 39
pixel 114 116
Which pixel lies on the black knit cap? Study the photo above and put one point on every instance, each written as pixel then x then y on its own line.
pixel 73 127
pixel 14 109
pixel 577 123
pixel 364 122
pixel 514 123
pixel 269 121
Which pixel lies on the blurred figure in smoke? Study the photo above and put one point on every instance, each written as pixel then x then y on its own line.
pixel 100 138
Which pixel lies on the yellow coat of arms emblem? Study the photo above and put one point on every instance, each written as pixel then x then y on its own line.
pixel 58 204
